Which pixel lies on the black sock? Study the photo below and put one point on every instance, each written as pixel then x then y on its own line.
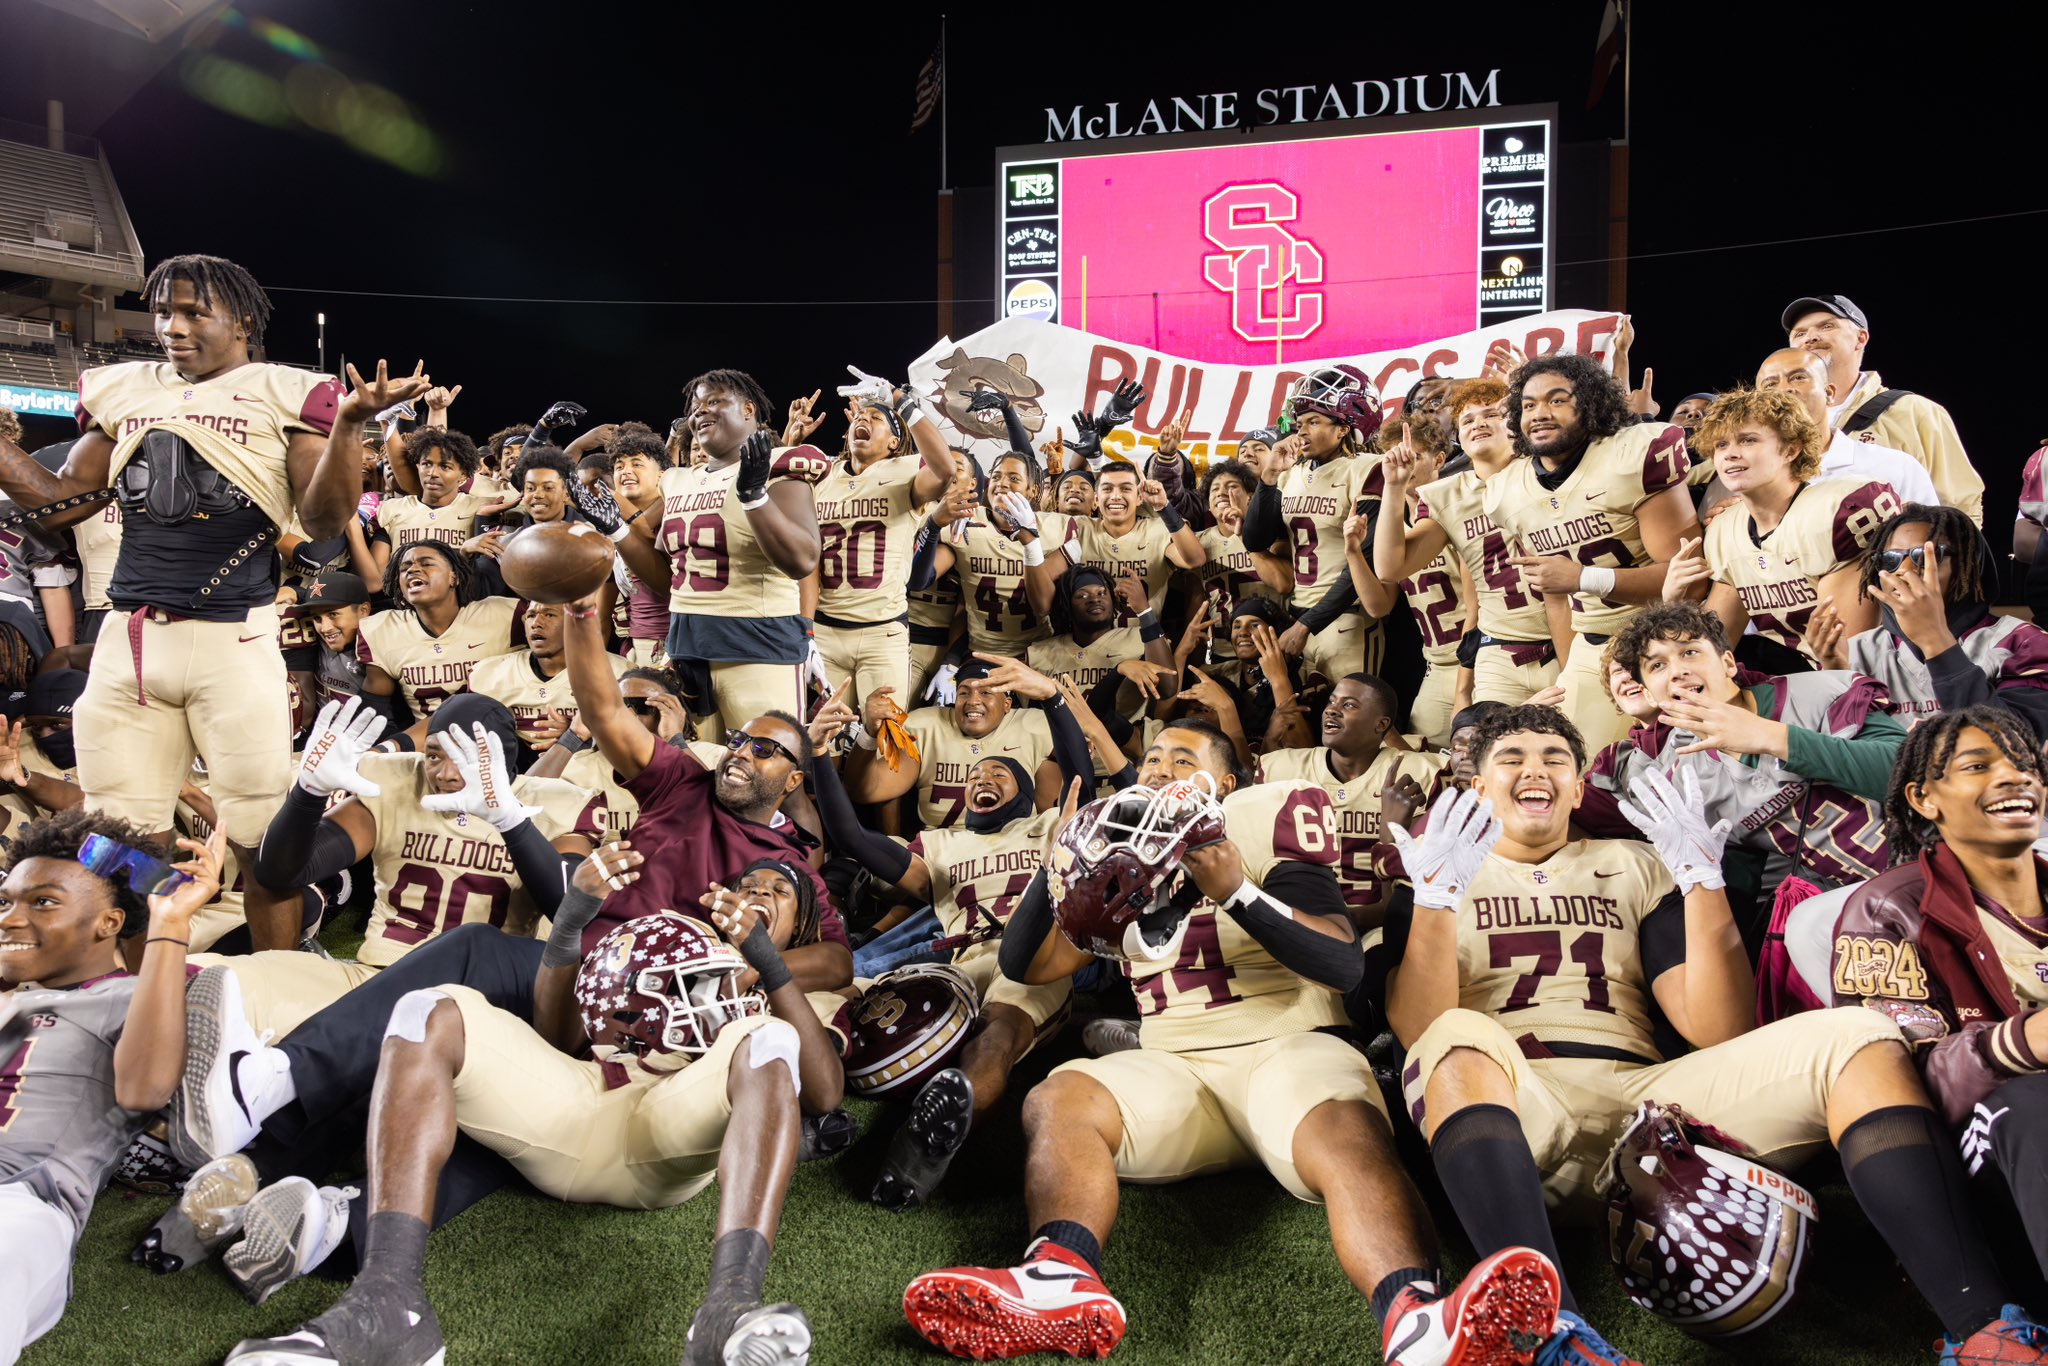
pixel 1486 1168
pixel 1909 1181
pixel 739 1266
pixel 1075 1238
pixel 1384 1293
pixel 397 1247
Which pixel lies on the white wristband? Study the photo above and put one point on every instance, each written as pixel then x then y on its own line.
pixel 756 505
pixel 1034 552
pixel 620 532
pixel 1597 580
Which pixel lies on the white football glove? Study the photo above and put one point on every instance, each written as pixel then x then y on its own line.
pixel 1444 859
pixel 867 388
pixel 1017 508
pixel 1674 818
pixel 486 781
pixel 942 689
pixel 342 734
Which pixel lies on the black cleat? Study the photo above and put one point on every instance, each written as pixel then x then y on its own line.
pixel 940 1115
pixel 827 1136
pixel 377 1323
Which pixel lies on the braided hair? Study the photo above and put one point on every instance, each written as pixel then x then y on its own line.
pixel 458 566
pixel 1944 524
pixel 18 660
pixel 740 385
pixel 216 281
pixel 1924 758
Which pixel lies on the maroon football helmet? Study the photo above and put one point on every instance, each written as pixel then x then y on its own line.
pixel 1115 876
pixel 1702 1236
pixel 909 1026
pixel 665 983
pixel 1342 393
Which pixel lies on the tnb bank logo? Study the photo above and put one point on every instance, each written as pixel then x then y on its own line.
pixel 1263 266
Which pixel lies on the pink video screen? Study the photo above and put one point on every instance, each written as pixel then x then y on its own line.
pixel 1247 252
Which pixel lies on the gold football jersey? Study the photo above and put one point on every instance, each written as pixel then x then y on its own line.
pixel 1356 806
pixel 990 568
pixel 591 771
pixel 866 523
pixel 1090 663
pixel 946 756
pixel 1507 610
pixel 513 680
pixel 410 521
pixel 430 669
pixel 935 607
pixel 1142 548
pixel 98 539
pixel 1552 948
pixel 435 871
pixel 977 879
pixel 1316 501
pixel 1432 593
pixel 1224 989
pixel 720 569
pixel 241 421
pixel 1591 516
pixel 1777 576
pixel 1228 576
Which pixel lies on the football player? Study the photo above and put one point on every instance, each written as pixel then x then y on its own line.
pixel 1232 1070
pixel 1094 650
pixel 531 682
pixel 88 1053
pixel 1598 507
pixel 1515 657
pixel 696 1077
pixel 739 533
pixel 983 720
pixel 972 876
pixel 895 463
pixel 211 454
pixel 1528 971
pixel 1309 485
pixel 423 649
pixel 1938 647
pixel 1356 766
pixel 650 695
pixel 1230 569
pixel 1950 944
pixel 1789 544
pixel 1118 539
pixel 990 545
pixel 1799 765
pixel 637 462
pixel 38 755
pixel 436 470
pixel 333 608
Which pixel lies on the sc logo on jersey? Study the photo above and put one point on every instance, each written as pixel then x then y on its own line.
pixel 1263 266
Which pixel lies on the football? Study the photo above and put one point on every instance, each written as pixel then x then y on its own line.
pixel 556 562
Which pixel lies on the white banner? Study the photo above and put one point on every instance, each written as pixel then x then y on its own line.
pixel 1051 372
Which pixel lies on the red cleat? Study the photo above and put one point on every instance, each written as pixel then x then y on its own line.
pixel 1052 1303
pixel 1504 1309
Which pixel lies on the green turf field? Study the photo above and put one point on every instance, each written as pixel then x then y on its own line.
pixel 1221 1270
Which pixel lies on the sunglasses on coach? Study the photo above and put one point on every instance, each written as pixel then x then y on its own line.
pixel 1890 561
pixel 760 746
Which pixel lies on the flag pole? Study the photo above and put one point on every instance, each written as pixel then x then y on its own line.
pixel 944 183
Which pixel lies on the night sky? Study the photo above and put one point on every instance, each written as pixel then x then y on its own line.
pixel 767 177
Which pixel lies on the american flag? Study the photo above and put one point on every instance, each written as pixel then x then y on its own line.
pixel 931 82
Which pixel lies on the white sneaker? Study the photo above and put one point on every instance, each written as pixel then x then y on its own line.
pixel 287 1231
pixel 233 1081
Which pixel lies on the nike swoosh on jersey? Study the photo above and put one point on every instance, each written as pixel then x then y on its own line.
pixel 246 639
pixel 1594 494
pixel 1615 873
pixel 245 398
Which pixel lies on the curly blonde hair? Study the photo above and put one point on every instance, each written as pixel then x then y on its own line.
pixel 10 425
pixel 1776 411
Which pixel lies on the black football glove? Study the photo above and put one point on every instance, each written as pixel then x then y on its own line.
pixel 562 414
pixel 1122 406
pixel 1086 440
pixel 597 505
pixel 985 399
pixel 752 486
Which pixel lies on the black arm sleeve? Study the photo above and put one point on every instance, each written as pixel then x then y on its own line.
pixel 924 556
pixel 1342 598
pixel 1263 526
pixel 1102 701
pixel 301 846
pixel 1025 931
pixel 1959 683
pixel 1070 746
pixel 874 851
pixel 542 870
pixel 1309 889
pixel 1661 936
pixel 1013 428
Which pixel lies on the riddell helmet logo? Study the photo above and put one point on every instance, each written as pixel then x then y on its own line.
pixel 1262 265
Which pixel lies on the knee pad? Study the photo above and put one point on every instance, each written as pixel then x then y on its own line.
pixel 776 1041
pixel 409 1017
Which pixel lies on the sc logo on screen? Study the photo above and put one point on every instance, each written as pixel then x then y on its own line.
pixel 1263 266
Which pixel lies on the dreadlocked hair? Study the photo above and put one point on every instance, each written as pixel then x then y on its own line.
pixel 17 660
pixel 452 444
pixel 1603 406
pixel 458 565
pixel 1947 526
pixel 660 678
pixel 810 916
pixel 1925 756
pixel 740 385
pixel 1535 720
pixel 61 834
pixel 217 282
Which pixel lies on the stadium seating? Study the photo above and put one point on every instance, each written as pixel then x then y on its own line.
pixel 61 216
